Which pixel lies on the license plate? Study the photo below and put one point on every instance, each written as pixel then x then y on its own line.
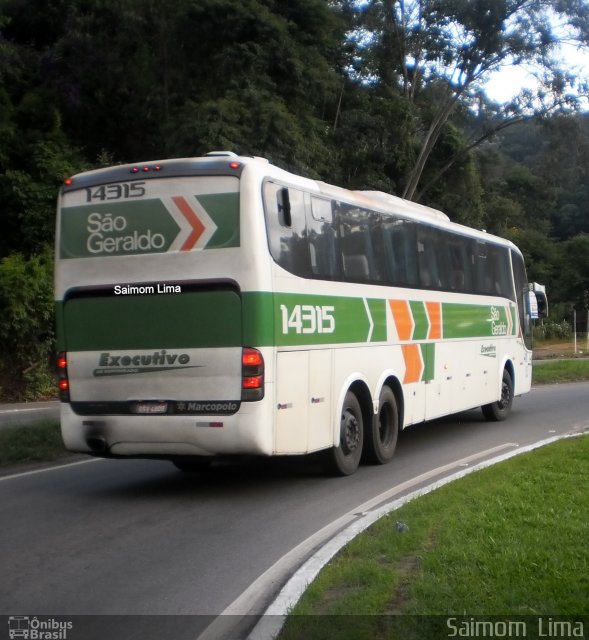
pixel 150 407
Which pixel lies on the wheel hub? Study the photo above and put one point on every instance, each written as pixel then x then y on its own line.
pixel 505 396
pixel 350 431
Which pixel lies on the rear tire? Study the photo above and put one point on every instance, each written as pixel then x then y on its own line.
pixel 344 459
pixel 381 437
pixel 498 411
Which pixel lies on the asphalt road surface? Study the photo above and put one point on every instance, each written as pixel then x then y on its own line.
pixel 140 548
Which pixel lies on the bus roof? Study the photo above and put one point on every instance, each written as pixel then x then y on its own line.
pixel 230 163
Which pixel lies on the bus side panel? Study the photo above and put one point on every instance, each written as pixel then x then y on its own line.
pixel 303 401
pixel 320 399
pixel 461 379
pixel 291 407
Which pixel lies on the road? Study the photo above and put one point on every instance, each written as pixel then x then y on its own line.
pixel 138 538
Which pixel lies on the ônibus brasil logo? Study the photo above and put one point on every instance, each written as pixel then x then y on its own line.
pixel 117 364
pixel 38 629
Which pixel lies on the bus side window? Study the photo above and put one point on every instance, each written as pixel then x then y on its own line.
pixel 322 239
pixel 459 273
pixel 359 262
pixel 500 272
pixel 429 273
pixel 402 267
pixel 483 282
pixel 285 223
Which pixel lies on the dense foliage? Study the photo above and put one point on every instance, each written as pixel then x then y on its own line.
pixel 376 95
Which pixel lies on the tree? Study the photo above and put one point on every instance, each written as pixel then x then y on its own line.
pixel 438 54
pixel 35 154
pixel 573 276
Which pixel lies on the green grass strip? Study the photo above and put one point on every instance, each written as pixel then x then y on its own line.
pixel 40 441
pixel 509 540
pixel 565 371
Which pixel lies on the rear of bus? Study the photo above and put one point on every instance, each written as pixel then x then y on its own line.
pixel 158 329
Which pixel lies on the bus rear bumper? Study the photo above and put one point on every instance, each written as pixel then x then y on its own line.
pixel 246 432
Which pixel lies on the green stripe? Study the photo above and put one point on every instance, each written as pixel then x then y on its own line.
pixel 421 328
pixel 301 319
pixel 258 319
pixel 513 310
pixel 225 318
pixel 473 321
pixel 378 310
pixel 223 208
pixel 159 321
pixel 428 353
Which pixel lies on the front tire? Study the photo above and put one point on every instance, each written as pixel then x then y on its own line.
pixel 344 459
pixel 381 437
pixel 498 411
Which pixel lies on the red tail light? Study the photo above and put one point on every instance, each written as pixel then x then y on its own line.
pixel 251 358
pixel 252 375
pixel 63 382
pixel 253 382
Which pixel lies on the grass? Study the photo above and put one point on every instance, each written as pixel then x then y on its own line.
pixel 561 371
pixel 40 441
pixel 509 540
pixel 547 349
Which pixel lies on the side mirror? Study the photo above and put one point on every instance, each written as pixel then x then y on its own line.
pixel 538 301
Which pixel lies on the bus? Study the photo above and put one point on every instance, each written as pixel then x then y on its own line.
pixel 222 306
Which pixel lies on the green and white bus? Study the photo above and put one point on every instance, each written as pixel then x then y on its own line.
pixel 222 306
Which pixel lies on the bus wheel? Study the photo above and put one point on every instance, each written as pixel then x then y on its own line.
pixel 381 438
pixel 193 464
pixel 497 411
pixel 344 459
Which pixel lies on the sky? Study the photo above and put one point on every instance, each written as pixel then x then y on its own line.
pixel 506 83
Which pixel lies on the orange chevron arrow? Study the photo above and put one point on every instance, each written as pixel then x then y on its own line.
pixel 403 318
pixel 189 213
pixel 413 363
pixel 434 312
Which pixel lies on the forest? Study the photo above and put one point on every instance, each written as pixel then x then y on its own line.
pixel 374 94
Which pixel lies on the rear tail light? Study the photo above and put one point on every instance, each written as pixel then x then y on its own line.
pixel 252 375
pixel 63 382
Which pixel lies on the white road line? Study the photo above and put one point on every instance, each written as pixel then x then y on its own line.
pixel 23 410
pixel 57 467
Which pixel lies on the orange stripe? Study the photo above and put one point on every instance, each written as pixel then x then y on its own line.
pixel 413 363
pixel 434 312
pixel 197 226
pixel 403 318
